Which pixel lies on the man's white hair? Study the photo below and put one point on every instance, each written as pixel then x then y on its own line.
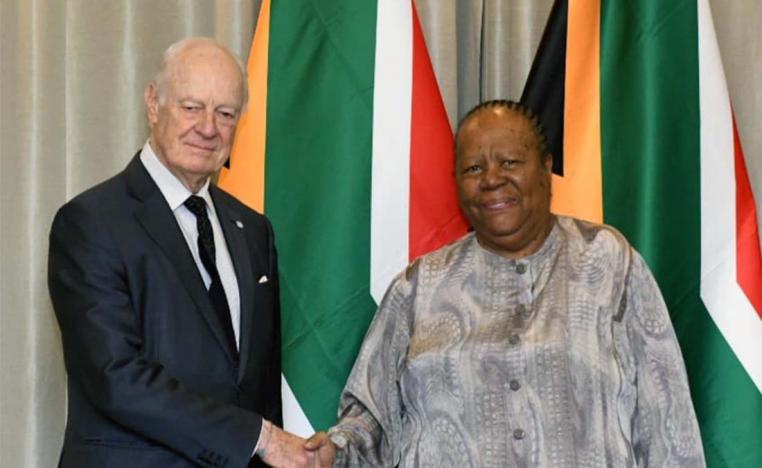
pixel 161 76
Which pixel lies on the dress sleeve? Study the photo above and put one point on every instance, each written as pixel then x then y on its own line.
pixel 370 408
pixel 663 423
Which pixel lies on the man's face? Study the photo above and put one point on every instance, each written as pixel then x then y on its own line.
pixel 193 123
pixel 503 182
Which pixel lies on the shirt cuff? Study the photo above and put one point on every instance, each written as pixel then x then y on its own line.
pixel 264 436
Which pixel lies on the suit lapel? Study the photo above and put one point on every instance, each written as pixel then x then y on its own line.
pixel 235 231
pixel 160 224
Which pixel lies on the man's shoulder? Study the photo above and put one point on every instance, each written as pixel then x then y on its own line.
pixel 94 214
pixel 236 205
pixel 102 198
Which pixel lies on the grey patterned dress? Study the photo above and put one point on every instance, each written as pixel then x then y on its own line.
pixel 565 358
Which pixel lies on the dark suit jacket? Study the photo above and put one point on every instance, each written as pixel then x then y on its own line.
pixel 152 382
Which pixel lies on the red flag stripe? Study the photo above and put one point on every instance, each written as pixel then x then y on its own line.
pixel 749 257
pixel 435 218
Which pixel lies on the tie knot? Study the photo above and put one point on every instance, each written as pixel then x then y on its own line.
pixel 197 205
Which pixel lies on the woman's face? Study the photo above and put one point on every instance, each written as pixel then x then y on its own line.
pixel 504 182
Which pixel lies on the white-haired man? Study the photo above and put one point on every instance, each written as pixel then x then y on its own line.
pixel 166 292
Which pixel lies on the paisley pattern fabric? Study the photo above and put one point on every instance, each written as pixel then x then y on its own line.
pixel 565 358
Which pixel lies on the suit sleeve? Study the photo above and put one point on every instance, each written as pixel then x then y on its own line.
pixel 102 348
pixel 275 408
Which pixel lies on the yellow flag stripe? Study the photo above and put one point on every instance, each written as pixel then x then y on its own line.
pixel 579 192
pixel 246 177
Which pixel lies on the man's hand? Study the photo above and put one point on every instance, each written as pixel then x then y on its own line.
pixel 323 447
pixel 283 449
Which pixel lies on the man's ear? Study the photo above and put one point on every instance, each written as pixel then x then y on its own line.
pixel 151 99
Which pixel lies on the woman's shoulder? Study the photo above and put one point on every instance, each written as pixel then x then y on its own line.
pixel 435 264
pixel 596 242
pixel 586 235
pixel 442 258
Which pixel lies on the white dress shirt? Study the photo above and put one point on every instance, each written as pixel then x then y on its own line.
pixel 175 193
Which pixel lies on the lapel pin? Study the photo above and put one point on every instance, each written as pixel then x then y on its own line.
pixel 263 279
pixel 238 224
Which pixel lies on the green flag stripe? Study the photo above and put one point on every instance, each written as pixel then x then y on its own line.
pixel 651 185
pixel 317 189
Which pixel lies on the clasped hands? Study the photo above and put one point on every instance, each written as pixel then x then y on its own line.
pixel 283 449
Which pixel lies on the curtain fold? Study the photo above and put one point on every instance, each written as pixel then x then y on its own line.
pixel 71 83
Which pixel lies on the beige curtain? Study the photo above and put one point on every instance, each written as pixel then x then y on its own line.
pixel 71 81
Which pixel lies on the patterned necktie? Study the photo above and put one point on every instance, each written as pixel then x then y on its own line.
pixel 206 251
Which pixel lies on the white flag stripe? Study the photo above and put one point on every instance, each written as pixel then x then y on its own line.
pixel 728 306
pixel 733 314
pixel 392 104
pixel 294 419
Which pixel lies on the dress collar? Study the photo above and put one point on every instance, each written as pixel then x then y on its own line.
pixel 536 266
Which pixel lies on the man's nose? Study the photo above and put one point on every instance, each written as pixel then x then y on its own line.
pixel 206 125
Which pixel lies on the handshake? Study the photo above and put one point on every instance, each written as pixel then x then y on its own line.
pixel 283 449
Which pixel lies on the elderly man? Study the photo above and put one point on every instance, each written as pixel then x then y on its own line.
pixel 166 292
pixel 536 340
